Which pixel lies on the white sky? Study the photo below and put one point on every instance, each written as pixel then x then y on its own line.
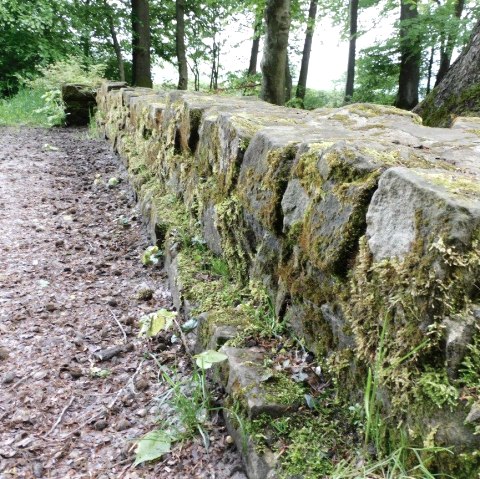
pixel 328 60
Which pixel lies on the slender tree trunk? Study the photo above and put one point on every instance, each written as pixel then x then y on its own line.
pixel 277 20
pixel 86 42
pixel 430 68
pixel 288 81
pixel 257 33
pixel 410 48
pixel 307 48
pixel 116 44
pixel 180 45
pixel 352 50
pixel 141 71
pixel 447 50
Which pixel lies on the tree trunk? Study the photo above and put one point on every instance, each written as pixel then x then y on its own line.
pixel 180 45
pixel 257 33
pixel 349 87
pixel 459 92
pixel 307 48
pixel 86 34
pixel 411 55
pixel 447 50
pixel 288 81
pixel 116 44
pixel 430 68
pixel 141 69
pixel 277 20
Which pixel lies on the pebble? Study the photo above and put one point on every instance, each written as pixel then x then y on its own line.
pixel 9 377
pixel 141 412
pixel 122 425
pixel 100 425
pixel 50 307
pixel 112 302
pixel 3 353
pixel 38 470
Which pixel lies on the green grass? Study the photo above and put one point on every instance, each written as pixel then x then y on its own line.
pixel 21 110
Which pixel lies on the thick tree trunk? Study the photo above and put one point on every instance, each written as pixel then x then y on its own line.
pixel 180 45
pixel 257 33
pixel 307 48
pixel 411 55
pixel 141 68
pixel 277 20
pixel 447 50
pixel 349 87
pixel 115 42
pixel 459 92
pixel 430 68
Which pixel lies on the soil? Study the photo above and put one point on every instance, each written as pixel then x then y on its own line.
pixel 70 278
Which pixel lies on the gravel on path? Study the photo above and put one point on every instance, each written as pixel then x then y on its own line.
pixel 70 277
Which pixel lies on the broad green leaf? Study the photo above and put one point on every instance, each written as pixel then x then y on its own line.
pixel 208 358
pixel 151 324
pixel 152 446
pixel 113 182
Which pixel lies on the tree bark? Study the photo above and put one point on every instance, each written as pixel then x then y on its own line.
pixel 352 50
pixel 288 81
pixel 180 45
pixel 141 68
pixel 411 55
pixel 115 42
pixel 459 92
pixel 307 48
pixel 257 33
pixel 277 20
pixel 447 50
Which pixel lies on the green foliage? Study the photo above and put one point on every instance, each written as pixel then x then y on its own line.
pixel 152 446
pixel 470 370
pixel 152 255
pixel 207 359
pixel 151 324
pixel 23 109
pixel 436 387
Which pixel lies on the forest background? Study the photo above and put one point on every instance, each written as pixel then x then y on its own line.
pixel 397 49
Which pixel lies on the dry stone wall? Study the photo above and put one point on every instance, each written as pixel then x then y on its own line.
pixel 362 225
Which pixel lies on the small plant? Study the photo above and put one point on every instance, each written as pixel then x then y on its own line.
pixel 437 388
pixel 151 324
pixel 152 256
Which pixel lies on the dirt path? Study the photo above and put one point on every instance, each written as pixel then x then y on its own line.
pixel 69 273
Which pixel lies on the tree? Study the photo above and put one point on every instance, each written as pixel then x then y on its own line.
pixel 459 91
pixel 141 74
pixel 353 21
pixel 277 21
pixel 307 48
pixel 115 43
pixel 180 45
pixel 257 33
pixel 411 56
pixel 448 43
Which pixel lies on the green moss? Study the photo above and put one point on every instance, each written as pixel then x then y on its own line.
pixel 442 113
pixel 461 186
pixel 370 110
pixel 280 389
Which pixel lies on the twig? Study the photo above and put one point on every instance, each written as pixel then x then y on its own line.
pixel 119 325
pixel 64 410
pixel 130 381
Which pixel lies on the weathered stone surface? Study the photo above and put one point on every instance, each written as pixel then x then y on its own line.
pixel 346 216
pixel 246 379
pixel 80 103
pixel 258 465
pixel 415 204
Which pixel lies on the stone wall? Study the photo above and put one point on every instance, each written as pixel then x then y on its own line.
pixel 362 225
